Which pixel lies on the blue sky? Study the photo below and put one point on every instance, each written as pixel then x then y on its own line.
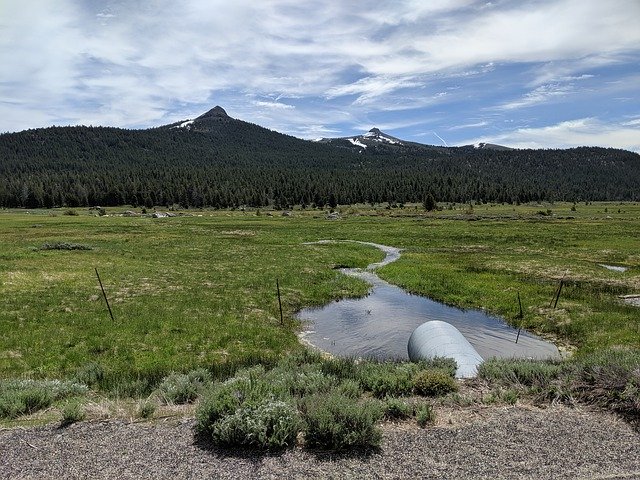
pixel 542 74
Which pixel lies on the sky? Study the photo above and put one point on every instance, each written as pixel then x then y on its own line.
pixel 526 74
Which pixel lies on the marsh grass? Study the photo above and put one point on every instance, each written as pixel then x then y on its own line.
pixel 199 292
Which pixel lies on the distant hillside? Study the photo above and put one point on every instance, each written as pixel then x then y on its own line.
pixel 215 160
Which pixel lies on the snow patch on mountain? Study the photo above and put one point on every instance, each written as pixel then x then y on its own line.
pixel 186 124
pixel 377 136
pixel 357 142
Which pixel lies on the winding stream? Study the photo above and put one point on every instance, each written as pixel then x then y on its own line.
pixel 380 324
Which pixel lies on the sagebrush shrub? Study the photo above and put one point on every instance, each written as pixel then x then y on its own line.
pixel 336 422
pixel 181 388
pixel 270 424
pixel 20 397
pixel 248 387
pixel 178 388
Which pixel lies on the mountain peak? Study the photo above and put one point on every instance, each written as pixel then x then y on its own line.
pixel 376 131
pixel 215 112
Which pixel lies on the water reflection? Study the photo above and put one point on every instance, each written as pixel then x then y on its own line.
pixel 380 324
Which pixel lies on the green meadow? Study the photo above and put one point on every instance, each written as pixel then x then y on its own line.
pixel 199 289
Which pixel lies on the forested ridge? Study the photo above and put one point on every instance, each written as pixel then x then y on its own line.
pixel 222 162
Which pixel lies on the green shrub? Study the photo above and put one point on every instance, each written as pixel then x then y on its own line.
pixel 349 388
pixel 448 365
pixel 397 409
pixel 72 412
pixel 20 397
pixel 510 396
pixel 490 398
pixel 432 383
pixel 336 422
pixel 387 379
pixel 425 415
pixel 270 424
pixel 341 368
pixel 146 409
pixel 214 405
pixel 177 388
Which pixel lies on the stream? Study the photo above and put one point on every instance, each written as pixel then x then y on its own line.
pixel 380 324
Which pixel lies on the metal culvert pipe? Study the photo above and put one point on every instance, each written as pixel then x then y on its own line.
pixel 441 339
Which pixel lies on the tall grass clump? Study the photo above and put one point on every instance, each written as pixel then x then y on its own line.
pixel 529 373
pixel 301 381
pixel 609 379
pixel 121 383
pixel 90 374
pixel 179 388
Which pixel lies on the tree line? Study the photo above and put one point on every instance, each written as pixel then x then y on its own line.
pixel 239 164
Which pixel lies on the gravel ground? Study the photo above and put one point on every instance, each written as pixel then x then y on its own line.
pixel 497 442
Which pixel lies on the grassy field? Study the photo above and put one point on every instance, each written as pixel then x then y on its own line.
pixel 200 290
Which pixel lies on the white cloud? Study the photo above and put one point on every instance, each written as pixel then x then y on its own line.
pixel 370 88
pixel 469 125
pixel 541 94
pixel 131 63
pixel 572 133
pixel 274 105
